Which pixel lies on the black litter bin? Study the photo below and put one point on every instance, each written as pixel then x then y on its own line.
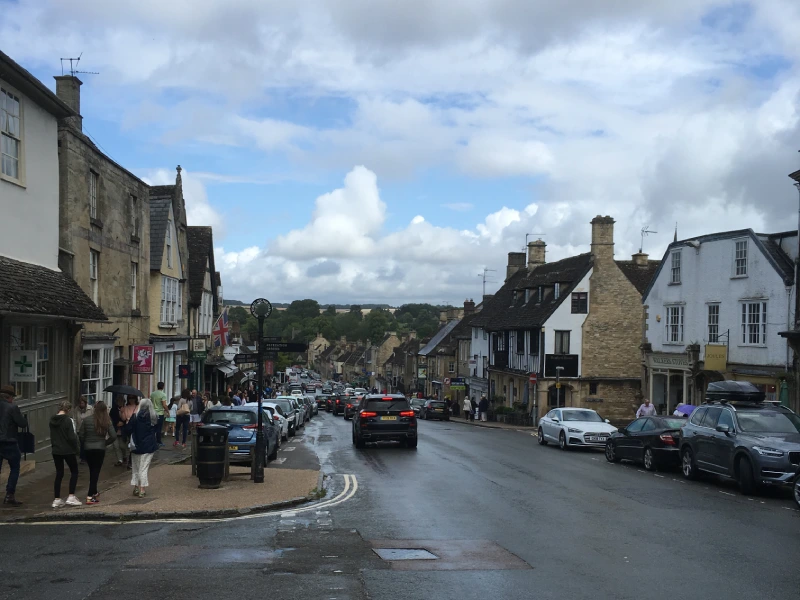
pixel 212 444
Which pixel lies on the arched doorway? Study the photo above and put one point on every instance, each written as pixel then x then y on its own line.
pixel 559 397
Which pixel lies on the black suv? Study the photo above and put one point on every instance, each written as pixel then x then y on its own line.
pixel 741 437
pixel 384 418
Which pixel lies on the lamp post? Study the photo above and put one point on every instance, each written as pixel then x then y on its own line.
pixel 261 309
pixel 558 386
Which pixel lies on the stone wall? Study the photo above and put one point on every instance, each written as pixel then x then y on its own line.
pixel 615 400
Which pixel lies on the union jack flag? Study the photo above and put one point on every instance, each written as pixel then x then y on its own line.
pixel 221 331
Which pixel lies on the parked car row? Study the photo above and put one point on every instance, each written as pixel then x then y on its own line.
pixel 735 434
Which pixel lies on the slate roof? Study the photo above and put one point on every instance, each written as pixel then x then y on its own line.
pixel 200 242
pixel 160 203
pixel 783 261
pixel 438 337
pixel 34 290
pixel 639 275
pixel 500 312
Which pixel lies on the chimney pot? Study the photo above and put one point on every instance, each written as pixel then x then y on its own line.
pixel 68 90
pixel 603 238
pixel 640 259
pixel 516 261
pixel 469 307
pixel 536 252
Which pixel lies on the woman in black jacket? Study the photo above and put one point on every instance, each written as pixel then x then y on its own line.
pixel 65 447
pixel 142 428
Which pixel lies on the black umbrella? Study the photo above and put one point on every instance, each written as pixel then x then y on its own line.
pixel 127 390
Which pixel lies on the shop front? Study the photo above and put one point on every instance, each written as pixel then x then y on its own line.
pixel 669 379
pixel 169 356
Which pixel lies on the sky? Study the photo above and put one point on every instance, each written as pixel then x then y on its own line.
pixel 363 151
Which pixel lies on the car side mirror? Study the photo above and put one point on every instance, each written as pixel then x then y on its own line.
pixel 623 430
pixel 556 420
pixel 726 429
pixel 607 421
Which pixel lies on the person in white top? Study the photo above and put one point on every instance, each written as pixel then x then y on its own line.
pixel 646 409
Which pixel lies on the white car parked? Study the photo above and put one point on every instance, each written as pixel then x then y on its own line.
pixel 570 427
pixel 278 411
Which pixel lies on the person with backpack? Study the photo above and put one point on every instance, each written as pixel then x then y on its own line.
pixel 142 431
pixel 95 432
pixel 65 448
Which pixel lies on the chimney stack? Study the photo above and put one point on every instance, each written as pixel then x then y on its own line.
pixel 536 252
pixel 68 90
pixel 412 335
pixel 516 261
pixel 640 259
pixel 469 307
pixel 603 238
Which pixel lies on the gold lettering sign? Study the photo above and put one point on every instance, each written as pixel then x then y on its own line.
pixel 716 357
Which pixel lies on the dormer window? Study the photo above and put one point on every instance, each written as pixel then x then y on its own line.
pixel 556 291
pixel 527 295
pixel 514 298
pixel 541 294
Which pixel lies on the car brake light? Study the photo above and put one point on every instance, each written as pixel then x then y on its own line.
pixel 387 399
pixel 250 427
pixel 407 413
pixel 667 439
pixel 366 415
pixel 349 406
pixel 276 418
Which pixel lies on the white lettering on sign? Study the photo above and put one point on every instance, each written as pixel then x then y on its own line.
pixel 665 360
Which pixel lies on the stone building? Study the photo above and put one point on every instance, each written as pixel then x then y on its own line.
pixel 316 347
pixel 577 320
pixel 104 237
pixel 41 308
pixel 204 308
pixel 169 327
pixel 379 354
pixel 435 363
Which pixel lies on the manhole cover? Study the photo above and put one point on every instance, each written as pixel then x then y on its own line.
pixel 404 554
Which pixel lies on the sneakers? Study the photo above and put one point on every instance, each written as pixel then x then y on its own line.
pixel 175 444
pixel 11 500
pixel 92 500
pixel 58 503
pixel 183 445
pixel 73 501
pixel 136 490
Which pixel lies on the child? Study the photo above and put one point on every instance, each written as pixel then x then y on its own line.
pixel 170 420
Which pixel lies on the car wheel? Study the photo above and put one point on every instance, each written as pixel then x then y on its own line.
pixel 562 441
pixel 411 444
pixel 688 468
pixel 540 437
pixel 359 443
pixel 796 489
pixel 649 460
pixel 747 481
pixel 611 453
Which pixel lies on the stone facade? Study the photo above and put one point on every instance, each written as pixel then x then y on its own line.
pixel 104 236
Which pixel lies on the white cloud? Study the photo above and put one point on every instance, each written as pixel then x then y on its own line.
pixel 198 209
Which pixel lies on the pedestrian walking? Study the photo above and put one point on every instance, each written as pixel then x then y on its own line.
pixel 126 414
pixel 11 421
pixel 646 409
pixel 213 401
pixel 474 408
pixel 142 430
pixel 65 448
pixel 483 407
pixel 196 409
pixel 237 400
pixel 159 399
pixel 81 412
pixel 95 432
pixel 172 411
pixel 468 411
pixel 182 415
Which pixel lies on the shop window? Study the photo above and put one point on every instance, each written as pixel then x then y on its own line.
pixel 42 359
pixel 97 373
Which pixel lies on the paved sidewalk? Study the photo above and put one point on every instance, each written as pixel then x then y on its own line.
pixel 490 425
pixel 173 491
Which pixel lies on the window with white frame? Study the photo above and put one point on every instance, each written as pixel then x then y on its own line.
pixel 754 323
pixel 94 275
pixel 97 373
pixel 170 300
pixel 134 285
pixel 42 359
pixel 561 342
pixel 451 367
pixel 675 259
pixel 206 314
pixel 740 259
pixel 10 135
pixel 556 291
pixel 713 323
pixel 674 324
pixel 93 194
pixel 169 243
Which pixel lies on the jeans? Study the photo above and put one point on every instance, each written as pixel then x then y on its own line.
pixel 72 463
pixel 160 430
pixel 181 427
pixel 10 452
pixel 94 458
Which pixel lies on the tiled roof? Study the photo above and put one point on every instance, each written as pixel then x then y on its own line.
pixel 639 275
pixel 500 312
pixel 35 290
pixel 438 337
pixel 200 242
pixel 780 257
pixel 160 203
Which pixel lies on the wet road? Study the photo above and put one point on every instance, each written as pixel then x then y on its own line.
pixel 506 518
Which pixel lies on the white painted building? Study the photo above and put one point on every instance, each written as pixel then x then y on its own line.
pixel 714 311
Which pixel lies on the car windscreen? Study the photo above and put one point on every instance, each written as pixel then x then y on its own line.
pixel 231 417
pixel 767 421
pixel 437 404
pixel 285 405
pixel 277 409
pixel 393 404
pixel 582 415
pixel 676 423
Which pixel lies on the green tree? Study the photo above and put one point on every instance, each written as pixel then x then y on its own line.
pixel 303 309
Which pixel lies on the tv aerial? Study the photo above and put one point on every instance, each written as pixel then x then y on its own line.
pixel 645 231
pixel 73 66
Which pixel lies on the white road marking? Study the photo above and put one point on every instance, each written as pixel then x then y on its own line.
pixel 288 449
pixel 288 515
pixel 726 493
pixel 350 490
pixel 657 475
pixel 279 461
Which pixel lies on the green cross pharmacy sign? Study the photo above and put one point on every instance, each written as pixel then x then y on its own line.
pixel 23 366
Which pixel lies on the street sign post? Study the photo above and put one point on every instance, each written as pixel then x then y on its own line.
pixel 282 347
pixel 261 309
pixel 244 359
pixel 532 378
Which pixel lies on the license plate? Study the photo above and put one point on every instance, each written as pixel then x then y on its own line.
pixel 594 438
pixel 388 418
pixel 437 410
pixel 233 448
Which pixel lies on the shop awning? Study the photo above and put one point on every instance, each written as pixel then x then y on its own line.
pixel 228 370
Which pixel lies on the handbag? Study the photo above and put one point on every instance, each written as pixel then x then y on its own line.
pixel 183 410
pixel 26 441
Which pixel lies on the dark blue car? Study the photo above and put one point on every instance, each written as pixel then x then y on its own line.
pixel 242 423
